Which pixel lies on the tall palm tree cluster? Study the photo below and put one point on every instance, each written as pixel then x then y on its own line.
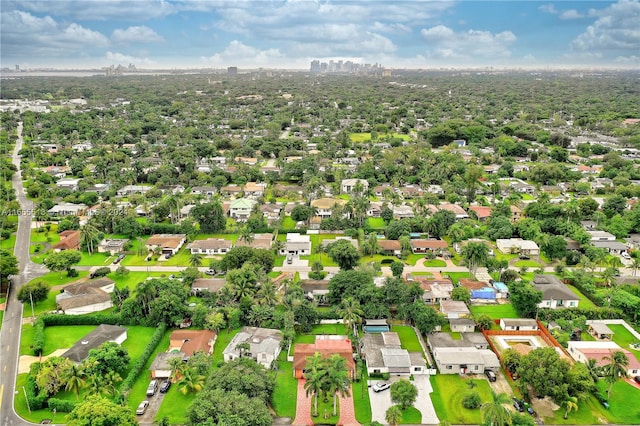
pixel 326 376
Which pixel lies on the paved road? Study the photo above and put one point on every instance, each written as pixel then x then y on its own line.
pixel 10 333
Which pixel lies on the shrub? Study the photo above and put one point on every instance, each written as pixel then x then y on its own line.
pixel 471 401
pixel 100 272
pixel 38 337
pixel 36 402
pixel 89 319
pixel 138 366
pixel 61 405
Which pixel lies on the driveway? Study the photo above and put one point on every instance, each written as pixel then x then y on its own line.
pixel 381 401
pixel 501 385
pixel 154 405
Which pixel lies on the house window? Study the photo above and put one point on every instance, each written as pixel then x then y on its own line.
pixel 449 367
pixel 376 371
pixel 475 367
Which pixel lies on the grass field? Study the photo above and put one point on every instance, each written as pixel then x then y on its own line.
pixel 9 243
pixel 63 337
pixel 361 403
pixel 495 311
pixel 411 416
pixel 365 137
pixel 584 301
pixel 455 276
pixel 448 392
pixel 435 263
pixel 285 393
pixel 376 223
pixel 531 264
pixel 174 406
pixel 623 338
pixel 408 338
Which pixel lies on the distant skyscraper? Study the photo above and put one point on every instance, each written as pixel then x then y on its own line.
pixel 315 66
pixel 232 71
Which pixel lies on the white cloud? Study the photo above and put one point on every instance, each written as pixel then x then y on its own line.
pixel 548 8
pixel 122 59
pixel 571 14
pixel 445 43
pixel 627 60
pixel 103 10
pixel 24 34
pixel 138 34
pixel 617 27
pixel 242 55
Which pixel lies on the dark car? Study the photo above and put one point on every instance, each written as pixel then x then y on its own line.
pixel 490 375
pixel 530 411
pixel 518 405
pixel 524 257
pixel 637 379
pixel 164 387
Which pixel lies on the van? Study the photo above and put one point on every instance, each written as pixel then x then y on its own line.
pixel 152 388
pixel 490 375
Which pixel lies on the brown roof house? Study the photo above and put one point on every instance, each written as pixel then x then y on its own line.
pixel 169 243
pixel 419 246
pixel 83 297
pixel 191 341
pixel 390 247
pixel 69 240
pixel 211 285
pixel 325 345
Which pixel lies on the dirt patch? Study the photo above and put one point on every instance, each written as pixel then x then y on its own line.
pixel 501 385
pixel 544 407
pixel 26 360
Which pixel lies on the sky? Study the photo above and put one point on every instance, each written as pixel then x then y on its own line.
pixel 288 34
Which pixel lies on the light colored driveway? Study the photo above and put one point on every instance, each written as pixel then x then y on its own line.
pixel 381 401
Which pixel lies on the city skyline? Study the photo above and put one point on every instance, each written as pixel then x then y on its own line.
pixel 290 34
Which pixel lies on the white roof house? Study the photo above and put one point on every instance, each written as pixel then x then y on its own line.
pixel 297 244
pixel 264 345
pixel 518 245
pixel 465 360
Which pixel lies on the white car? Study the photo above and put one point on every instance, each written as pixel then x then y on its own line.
pixel 625 255
pixel 380 386
pixel 142 408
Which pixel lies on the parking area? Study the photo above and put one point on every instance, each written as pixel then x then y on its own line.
pixel 501 385
pixel 381 401
pixel 154 405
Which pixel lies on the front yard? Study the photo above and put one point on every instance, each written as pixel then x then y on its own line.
pixel 448 392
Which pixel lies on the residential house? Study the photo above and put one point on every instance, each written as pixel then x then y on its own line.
pixel 132 189
pixel 210 246
pixel 263 345
pixel 231 190
pixel 517 324
pixel 589 225
pixel 241 208
pixel 70 184
pixel 325 345
pixel 191 341
pixel 211 285
pixel 554 293
pixel 402 211
pixel 69 240
pixel 390 247
pixel 523 188
pixel 316 290
pixel 612 247
pixel 436 291
pixel 601 236
pixel 455 209
pixel 375 209
pixel 410 191
pixel 324 206
pixel 466 340
pixel 518 245
pixel 271 212
pixel 383 354
pixel 296 245
pixel 601 352
pixel 161 366
pixel 482 213
pixel 478 289
pixel 67 209
pixel 420 246
pixel 168 243
pixel 516 214
pixel 259 241
pixel 207 191
pixel 83 296
pixel 465 360
pixel 57 171
pixel 462 325
pixel 454 309
pixel 348 186
pixel 101 334
pixel 112 245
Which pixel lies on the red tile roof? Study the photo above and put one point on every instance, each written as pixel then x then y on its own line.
pixel 326 348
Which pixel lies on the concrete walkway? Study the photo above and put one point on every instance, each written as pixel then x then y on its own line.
pixel 423 402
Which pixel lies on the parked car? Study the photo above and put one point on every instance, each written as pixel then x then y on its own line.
pixel 637 379
pixel 490 375
pixel 164 387
pixel 380 386
pixel 168 255
pixel 142 408
pixel 210 272
pixel 152 388
pixel 530 411
pixel 524 257
pixel 119 258
pixel 289 259
pixel 518 405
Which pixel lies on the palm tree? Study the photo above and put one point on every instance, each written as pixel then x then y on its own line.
pixel 88 234
pixel 393 416
pixel 177 367
pixel 267 294
pixel 314 378
pixel 110 381
pixel 494 413
pixel 195 260
pixel 95 384
pixel 475 254
pixel 351 313
pixel 191 381
pixel 246 235
pixel 635 265
pixel 617 367
pixel 570 404
pixel 371 245
pixel 75 379
pixel 593 368
pixel 338 381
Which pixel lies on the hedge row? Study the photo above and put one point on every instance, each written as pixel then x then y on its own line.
pixel 138 366
pixel 89 319
pixel 547 314
pixel 38 337
pixel 61 405
pixel 36 402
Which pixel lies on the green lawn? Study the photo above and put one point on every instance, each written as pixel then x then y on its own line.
pixel 376 223
pixel 527 264
pixel 20 405
pixel 448 391
pixel 139 389
pixel 135 335
pixel 132 279
pixel 495 311
pixel 325 412
pixel 63 337
pixel 26 339
pixel 174 406
pixel 455 276
pixel 623 338
pixel 288 223
pixel 55 278
pixel 584 301
pixel 408 338
pixel 9 243
pixel 286 390
pixel 365 137
pixel 411 416
pixel 435 263
pixel 223 339
pixel 361 403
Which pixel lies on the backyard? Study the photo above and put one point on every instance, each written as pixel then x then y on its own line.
pixel 448 392
pixel 503 310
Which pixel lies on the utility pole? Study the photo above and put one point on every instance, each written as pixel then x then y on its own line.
pixel 33 314
pixel 26 399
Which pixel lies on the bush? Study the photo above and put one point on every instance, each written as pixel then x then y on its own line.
pixel 381 376
pixel 36 402
pixel 89 319
pixel 72 272
pixel 471 401
pixel 61 405
pixel 38 337
pixel 100 272
pixel 138 366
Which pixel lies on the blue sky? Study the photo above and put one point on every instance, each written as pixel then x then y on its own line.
pixel 290 33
